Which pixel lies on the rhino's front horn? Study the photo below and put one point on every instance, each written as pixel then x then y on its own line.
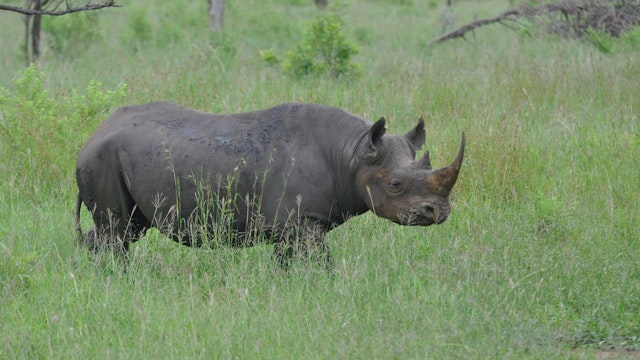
pixel 442 180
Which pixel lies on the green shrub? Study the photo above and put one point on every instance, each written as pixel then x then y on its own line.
pixel 72 33
pixel 223 48
pixel 404 2
pixel 607 44
pixel 40 134
pixel 159 26
pixel 601 39
pixel 269 56
pixel 324 49
pixel 139 29
pixel 631 38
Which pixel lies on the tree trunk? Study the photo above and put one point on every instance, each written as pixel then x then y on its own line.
pixel 216 14
pixel 321 4
pixel 33 11
pixel 27 26
pixel 35 30
pixel 32 26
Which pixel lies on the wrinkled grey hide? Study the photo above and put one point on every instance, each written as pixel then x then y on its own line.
pixel 288 173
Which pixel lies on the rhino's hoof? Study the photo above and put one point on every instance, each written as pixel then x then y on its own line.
pixel 90 239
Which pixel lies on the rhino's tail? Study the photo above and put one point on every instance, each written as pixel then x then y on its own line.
pixel 77 218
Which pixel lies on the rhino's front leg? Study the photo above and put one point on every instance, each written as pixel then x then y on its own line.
pixel 97 241
pixel 283 252
pixel 307 241
pixel 89 239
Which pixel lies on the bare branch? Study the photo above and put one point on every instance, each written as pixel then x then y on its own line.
pixel 460 32
pixel 577 17
pixel 68 10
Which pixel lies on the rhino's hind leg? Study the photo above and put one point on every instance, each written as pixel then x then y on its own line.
pixel 305 241
pixel 116 232
pixel 118 220
pixel 90 240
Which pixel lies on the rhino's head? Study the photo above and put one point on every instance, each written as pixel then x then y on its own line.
pixel 400 188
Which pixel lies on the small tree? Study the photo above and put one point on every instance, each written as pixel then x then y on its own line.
pixel 33 11
pixel 324 49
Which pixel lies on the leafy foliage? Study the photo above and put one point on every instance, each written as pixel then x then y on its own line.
pixel 39 132
pixel 140 29
pixel 161 27
pixel 601 39
pixel 324 49
pixel 631 39
pixel 269 56
pixel 72 33
pixel 607 44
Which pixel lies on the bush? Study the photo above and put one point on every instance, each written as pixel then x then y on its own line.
pixel 40 135
pixel 601 39
pixel 631 39
pixel 607 44
pixel 71 34
pixel 139 30
pixel 269 56
pixel 324 49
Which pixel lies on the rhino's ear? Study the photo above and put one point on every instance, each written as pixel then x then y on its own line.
pixel 375 133
pixel 416 135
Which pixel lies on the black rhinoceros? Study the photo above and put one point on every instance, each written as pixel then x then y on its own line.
pixel 289 173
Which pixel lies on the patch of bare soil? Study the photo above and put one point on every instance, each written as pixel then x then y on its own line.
pixel 618 354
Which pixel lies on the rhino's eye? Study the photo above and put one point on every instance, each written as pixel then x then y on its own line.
pixel 394 186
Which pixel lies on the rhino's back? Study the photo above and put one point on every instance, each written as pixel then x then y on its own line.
pixel 286 127
pixel 133 122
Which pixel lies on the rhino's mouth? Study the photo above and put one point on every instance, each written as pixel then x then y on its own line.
pixel 423 216
pixel 415 221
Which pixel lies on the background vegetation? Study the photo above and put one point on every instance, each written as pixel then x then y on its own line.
pixel 539 259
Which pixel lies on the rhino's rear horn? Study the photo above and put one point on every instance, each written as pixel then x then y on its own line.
pixel 442 180
pixel 425 161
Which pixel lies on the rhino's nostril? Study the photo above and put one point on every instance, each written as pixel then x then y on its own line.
pixel 431 213
pixel 436 214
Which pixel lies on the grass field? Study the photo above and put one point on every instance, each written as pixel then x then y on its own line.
pixel 540 257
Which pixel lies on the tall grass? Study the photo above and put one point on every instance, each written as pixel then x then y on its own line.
pixel 540 257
